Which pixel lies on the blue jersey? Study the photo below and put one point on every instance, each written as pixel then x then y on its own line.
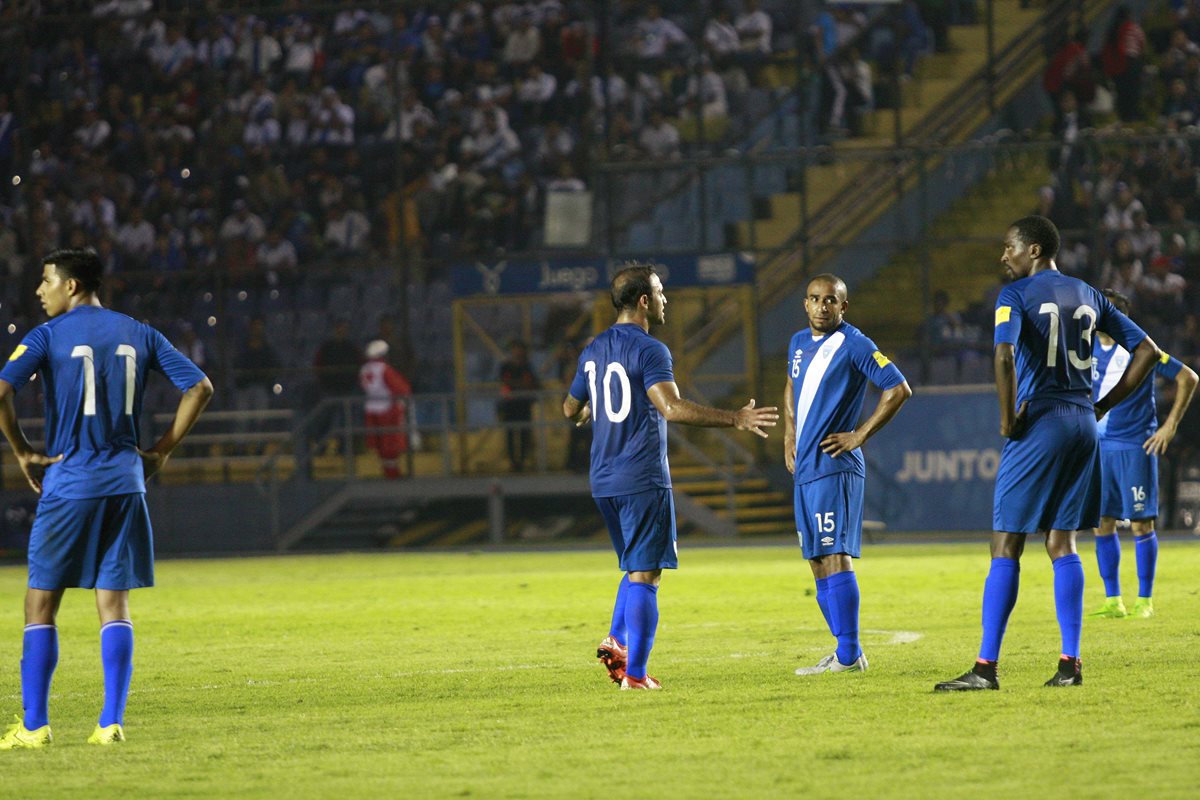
pixel 629 436
pixel 829 375
pixel 1050 319
pixel 1134 420
pixel 93 365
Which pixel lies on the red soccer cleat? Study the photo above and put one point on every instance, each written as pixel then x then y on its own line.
pixel 629 682
pixel 612 655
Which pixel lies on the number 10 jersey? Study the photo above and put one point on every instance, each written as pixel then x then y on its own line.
pixel 93 365
pixel 629 436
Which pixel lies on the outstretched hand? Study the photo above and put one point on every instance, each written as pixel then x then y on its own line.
pixel 34 466
pixel 749 418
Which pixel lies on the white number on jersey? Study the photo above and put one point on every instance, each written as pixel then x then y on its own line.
pixel 626 402
pixel 124 351
pixel 1085 335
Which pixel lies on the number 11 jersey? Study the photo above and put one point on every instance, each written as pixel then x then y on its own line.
pixel 629 436
pixel 93 365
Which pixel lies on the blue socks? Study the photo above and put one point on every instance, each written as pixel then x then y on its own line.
pixel 1147 561
pixel 999 597
pixel 38 659
pixel 1108 558
pixel 641 622
pixel 617 628
pixel 823 602
pixel 843 615
pixel 1068 601
pixel 116 654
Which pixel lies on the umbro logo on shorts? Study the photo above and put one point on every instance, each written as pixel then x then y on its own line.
pixel 827 540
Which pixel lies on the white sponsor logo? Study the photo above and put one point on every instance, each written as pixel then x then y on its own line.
pixel 491 276
pixel 716 269
pixel 827 540
pixel 939 466
pixel 573 278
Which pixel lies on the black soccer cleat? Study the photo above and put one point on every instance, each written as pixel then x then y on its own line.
pixel 967 682
pixel 1070 673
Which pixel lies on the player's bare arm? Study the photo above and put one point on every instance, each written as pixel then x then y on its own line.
pixel 1185 387
pixel 1012 420
pixel 835 444
pixel 1141 363
pixel 674 408
pixel 789 428
pixel 33 464
pixel 579 413
pixel 192 403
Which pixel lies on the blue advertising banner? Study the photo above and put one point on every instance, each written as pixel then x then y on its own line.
pixel 592 274
pixel 934 466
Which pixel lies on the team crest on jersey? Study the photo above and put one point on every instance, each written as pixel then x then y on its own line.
pixel 796 358
pixel 18 352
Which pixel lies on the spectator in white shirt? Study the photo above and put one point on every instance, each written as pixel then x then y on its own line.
pixel 135 238
pixel 347 231
pixel 754 29
pixel 659 139
pixel 97 214
pixel 174 55
pixel 216 49
pixel 1119 214
pixel 242 224
pixel 524 43
pixel 708 92
pixel 259 51
pixel 94 132
pixel 556 144
pixel 277 257
pixel 654 34
pixel 566 180
pixel 536 93
pixel 332 121
pixel 721 38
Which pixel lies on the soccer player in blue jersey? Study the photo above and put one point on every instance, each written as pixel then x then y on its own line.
pixel 1130 443
pixel 625 385
pixel 829 365
pixel 1049 476
pixel 92 529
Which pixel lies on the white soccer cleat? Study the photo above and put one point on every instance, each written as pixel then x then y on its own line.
pixel 859 665
pixel 819 667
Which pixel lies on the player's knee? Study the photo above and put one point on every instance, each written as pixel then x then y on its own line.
pixel 1108 525
pixel 1141 527
pixel 651 576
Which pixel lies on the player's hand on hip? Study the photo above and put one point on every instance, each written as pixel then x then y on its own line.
pixel 835 444
pixel 749 418
pixel 1156 445
pixel 34 466
pixel 152 461
pixel 1019 425
pixel 789 455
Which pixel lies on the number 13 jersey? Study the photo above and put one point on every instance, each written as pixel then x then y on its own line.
pixel 629 436
pixel 1050 319
pixel 93 364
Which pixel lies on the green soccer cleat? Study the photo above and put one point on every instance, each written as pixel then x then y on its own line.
pixel 1113 608
pixel 109 734
pixel 1143 608
pixel 18 737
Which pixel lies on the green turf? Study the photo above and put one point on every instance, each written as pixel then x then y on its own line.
pixel 471 675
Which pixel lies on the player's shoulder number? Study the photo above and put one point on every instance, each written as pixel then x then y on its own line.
pixel 88 356
pixel 614 370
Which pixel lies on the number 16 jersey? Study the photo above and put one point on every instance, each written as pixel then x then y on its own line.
pixel 93 364
pixel 629 436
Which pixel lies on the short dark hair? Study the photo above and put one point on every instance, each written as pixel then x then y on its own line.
pixel 629 284
pixel 830 278
pixel 1038 230
pixel 1119 300
pixel 82 264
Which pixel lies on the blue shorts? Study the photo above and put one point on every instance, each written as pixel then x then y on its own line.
pixel 642 528
pixel 1129 483
pixel 829 515
pixel 1049 479
pixel 97 543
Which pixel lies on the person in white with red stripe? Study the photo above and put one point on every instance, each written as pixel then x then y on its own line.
pixel 386 407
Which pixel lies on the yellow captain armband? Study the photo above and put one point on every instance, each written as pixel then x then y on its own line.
pixel 1165 357
pixel 880 359
pixel 18 352
pixel 1003 313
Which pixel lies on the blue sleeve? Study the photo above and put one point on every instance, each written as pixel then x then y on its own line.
pixel 1120 327
pixel 170 362
pixel 657 365
pixel 1008 317
pixel 1168 366
pixel 27 358
pixel 579 386
pixel 793 363
pixel 878 368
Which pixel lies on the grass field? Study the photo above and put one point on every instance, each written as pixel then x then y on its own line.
pixel 472 675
